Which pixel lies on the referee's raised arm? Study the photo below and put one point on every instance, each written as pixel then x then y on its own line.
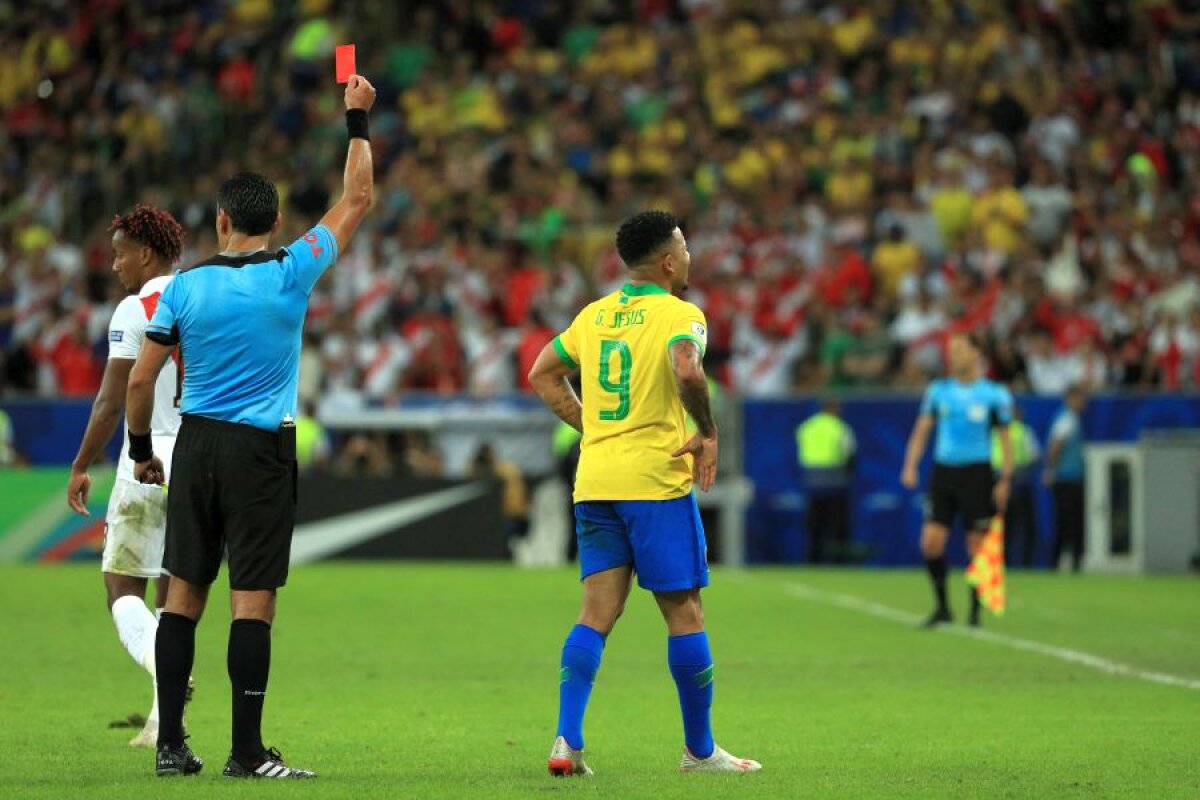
pixel 359 180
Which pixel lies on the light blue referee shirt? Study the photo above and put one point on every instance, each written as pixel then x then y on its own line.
pixel 238 322
pixel 965 414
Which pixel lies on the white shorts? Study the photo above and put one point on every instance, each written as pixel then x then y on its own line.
pixel 135 530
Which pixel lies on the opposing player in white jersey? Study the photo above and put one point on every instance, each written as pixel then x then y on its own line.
pixel 146 243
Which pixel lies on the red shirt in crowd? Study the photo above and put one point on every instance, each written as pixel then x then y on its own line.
pixel 75 367
pixel 533 338
pixel 523 284
pixel 847 279
pixel 436 358
pixel 236 80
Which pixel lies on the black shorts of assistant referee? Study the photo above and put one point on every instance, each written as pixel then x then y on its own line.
pixel 230 489
pixel 961 492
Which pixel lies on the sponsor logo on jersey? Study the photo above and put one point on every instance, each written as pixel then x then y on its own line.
pixel 116 336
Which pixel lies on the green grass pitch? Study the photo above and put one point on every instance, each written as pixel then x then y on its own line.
pixel 440 681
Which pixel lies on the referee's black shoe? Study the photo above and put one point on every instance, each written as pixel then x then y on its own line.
pixel 940 616
pixel 172 761
pixel 270 765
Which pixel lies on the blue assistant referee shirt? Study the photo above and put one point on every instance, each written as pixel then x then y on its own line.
pixel 238 322
pixel 965 414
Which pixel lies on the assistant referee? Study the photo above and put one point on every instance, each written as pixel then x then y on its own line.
pixel 964 407
pixel 237 319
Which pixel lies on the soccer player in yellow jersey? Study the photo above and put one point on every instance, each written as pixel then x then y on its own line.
pixel 639 353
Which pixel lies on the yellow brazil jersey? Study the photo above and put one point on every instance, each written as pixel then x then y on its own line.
pixel 632 416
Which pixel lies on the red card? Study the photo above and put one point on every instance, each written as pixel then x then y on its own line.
pixel 344 59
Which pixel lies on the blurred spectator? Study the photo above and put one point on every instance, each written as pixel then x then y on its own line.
pixel 312 441
pixel 764 360
pixel 895 259
pixel 867 360
pixel 1037 176
pixel 364 455
pixel 8 450
pixel 999 212
pixel 491 356
pixel 311 370
pixel 421 457
pixel 1020 517
pixel 836 344
pixel 1065 474
pixel 72 361
pixel 534 335
pixel 514 503
pixel 825 448
pixel 844 280
pixel 1049 205
pixel 915 329
pixel 1050 373
pixel 1174 347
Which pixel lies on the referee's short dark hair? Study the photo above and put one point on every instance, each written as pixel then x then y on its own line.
pixel 643 234
pixel 976 339
pixel 251 201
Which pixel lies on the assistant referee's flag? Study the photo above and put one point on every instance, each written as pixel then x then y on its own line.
pixel 986 572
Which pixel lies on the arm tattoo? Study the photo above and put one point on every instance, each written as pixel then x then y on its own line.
pixel 693 387
pixel 563 401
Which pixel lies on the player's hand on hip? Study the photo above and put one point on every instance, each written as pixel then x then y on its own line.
pixel 1000 495
pixel 150 471
pixel 909 478
pixel 78 488
pixel 704 459
pixel 359 93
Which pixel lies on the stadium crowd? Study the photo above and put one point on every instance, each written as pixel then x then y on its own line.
pixel 856 179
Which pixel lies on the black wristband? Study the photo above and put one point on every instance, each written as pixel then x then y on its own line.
pixel 356 124
pixel 141 448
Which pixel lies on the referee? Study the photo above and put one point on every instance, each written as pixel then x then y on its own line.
pixel 237 319
pixel 965 407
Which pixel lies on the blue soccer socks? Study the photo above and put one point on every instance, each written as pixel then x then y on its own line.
pixel 692 667
pixel 580 661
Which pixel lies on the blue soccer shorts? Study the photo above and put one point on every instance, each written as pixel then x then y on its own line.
pixel 662 539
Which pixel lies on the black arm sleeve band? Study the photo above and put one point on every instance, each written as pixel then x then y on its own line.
pixel 141 448
pixel 165 339
pixel 356 124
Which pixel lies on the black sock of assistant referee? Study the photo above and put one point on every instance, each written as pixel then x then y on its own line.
pixel 249 663
pixel 174 651
pixel 937 575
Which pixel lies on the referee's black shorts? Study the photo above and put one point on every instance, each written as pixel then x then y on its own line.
pixel 230 489
pixel 961 490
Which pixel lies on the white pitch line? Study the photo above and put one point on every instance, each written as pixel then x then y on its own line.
pixel 1100 663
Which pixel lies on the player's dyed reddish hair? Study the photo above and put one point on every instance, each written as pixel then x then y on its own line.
pixel 153 227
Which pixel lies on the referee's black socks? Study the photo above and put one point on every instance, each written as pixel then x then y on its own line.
pixel 174 651
pixel 937 575
pixel 249 663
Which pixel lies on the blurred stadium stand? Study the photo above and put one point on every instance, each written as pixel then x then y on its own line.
pixel 856 179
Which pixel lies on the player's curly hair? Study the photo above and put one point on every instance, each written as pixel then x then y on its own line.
pixel 643 234
pixel 153 227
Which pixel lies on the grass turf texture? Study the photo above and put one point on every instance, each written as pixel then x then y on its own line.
pixel 440 681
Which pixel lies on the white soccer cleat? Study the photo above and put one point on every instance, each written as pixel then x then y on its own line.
pixel 719 761
pixel 565 761
pixel 148 737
